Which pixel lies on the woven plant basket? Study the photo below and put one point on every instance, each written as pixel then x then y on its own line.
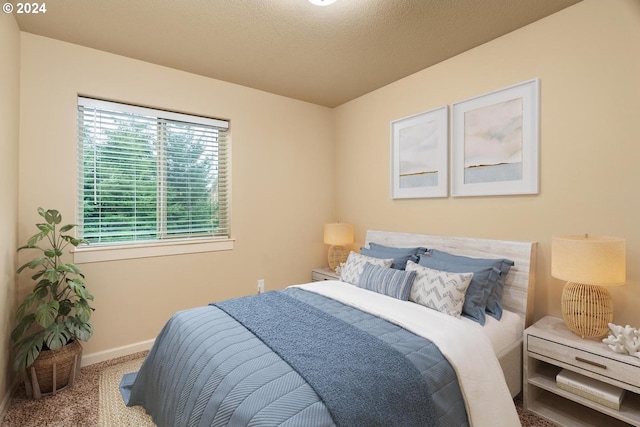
pixel 53 371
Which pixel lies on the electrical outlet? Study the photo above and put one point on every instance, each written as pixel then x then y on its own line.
pixel 260 286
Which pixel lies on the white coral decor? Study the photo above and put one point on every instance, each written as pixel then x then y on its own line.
pixel 625 340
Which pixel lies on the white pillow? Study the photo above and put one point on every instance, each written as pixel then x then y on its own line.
pixel 440 290
pixel 352 269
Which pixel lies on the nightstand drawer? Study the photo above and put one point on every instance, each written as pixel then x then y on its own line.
pixel 320 274
pixel 616 371
pixel 318 277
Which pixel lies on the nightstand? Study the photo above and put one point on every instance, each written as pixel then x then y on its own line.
pixel 324 273
pixel 549 346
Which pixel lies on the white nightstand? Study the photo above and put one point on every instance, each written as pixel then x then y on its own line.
pixel 324 273
pixel 550 346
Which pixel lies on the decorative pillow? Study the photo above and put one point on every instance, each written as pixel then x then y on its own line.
pixel 400 255
pixel 440 290
pixel 484 278
pixel 352 269
pixel 387 281
pixel 494 303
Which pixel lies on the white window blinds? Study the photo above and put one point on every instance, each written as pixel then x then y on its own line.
pixel 146 174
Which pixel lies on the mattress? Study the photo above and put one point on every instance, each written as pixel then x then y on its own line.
pixel 503 333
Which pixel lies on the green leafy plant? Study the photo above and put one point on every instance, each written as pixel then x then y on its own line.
pixel 57 311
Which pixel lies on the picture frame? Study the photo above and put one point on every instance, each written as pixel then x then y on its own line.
pixel 419 155
pixel 495 142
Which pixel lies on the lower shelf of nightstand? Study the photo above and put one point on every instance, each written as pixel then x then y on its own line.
pixel 567 409
pixel 569 413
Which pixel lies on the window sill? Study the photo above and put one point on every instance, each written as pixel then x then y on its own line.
pixel 87 254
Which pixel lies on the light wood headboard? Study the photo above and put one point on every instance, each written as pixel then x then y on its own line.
pixel 518 295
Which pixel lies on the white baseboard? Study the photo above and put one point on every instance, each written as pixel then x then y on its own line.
pixel 101 356
pixel 6 400
pixel 5 403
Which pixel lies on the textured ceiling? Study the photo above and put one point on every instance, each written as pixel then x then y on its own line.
pixel 326 55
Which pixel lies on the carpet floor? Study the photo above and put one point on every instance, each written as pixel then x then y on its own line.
pixel 79 407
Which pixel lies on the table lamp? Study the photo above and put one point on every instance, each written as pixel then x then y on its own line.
pixel 337 235
pixel 588 264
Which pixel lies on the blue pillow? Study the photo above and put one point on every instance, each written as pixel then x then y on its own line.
pixel 494 303
pixel 400 255
pixel 387 281
pixel 484 279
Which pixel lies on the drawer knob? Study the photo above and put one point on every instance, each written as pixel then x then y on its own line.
pixel 599 365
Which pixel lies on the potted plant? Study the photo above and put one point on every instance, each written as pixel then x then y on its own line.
pixel 55 315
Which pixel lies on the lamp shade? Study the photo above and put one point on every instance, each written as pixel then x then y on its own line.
pixel 589 260
pixel 338 233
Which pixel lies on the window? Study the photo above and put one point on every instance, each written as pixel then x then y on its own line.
pixel 147 175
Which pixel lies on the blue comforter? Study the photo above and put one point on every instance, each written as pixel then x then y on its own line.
pixel 208 369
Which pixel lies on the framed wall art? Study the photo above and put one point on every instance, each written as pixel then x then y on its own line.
pixel 419 155
pixel 495 139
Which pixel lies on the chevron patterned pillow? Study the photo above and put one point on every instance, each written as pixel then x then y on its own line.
pixel 352 269
pixel 440 290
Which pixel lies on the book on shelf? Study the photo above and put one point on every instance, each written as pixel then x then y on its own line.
pixel 590 388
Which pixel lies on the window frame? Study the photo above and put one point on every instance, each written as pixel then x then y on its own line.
pixel 113 252
pixel 162 246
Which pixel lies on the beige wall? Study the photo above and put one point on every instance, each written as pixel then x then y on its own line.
pixel 282 186
pixel 9 138
pixel 586 58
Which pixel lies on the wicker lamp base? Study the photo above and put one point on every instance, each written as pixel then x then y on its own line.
pixel 337 255
pixel 587 309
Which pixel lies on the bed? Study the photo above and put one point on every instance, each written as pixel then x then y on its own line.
pixel 376 360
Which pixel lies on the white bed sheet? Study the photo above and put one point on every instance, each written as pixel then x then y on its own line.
pixel 503 333
pixel 469 350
